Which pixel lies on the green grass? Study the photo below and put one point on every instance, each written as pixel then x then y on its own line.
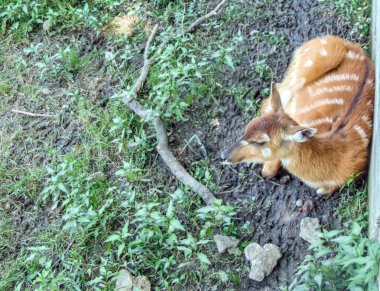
pixel 73 214
pixel 354 199
pixel 100 205
pixel 21 17
pixel 358 12
pixel 341 260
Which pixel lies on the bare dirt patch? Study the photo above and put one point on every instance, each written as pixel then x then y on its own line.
pixel 268 205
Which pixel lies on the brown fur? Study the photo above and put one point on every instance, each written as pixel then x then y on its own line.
pixel 328 89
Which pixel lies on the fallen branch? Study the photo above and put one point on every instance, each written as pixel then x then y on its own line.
pixel 162 136
pixel 33 114
pixel 201 19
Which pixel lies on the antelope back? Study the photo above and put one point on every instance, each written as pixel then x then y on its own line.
pixel 330 86
pixel 328 92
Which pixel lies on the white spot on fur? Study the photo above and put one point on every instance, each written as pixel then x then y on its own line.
pixel 266 152
pixel 310 90
pixel 323 52
pixel 293 79
pixel 285 96
pixel 318 184
pixel 301 82
pixel 339 77
pixel 320 121
pixel 244 142
pixel 323 41
pixel 370 82
pixel 324 90
pixel 355 56
pixel 286 163
pixel 323 191
pixel 309 63
pixel 367 121
pixel 362 134
pixel 268 109
pixel 293 105
pixel 321 102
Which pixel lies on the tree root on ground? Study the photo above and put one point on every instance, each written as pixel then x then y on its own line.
pixel 162 137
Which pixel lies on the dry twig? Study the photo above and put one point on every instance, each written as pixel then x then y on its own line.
pixel 162 136
pixel 203 18
pixel 33 114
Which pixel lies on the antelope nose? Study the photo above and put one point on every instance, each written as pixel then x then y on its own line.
pixel 223 156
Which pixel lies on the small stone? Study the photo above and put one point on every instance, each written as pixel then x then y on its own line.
pixel 224 243
pixel 141 283
pixel 309 229
pixel 45 91
pixel 263 260
pixel 124 281
pixel 285 179
pixel 46 25
pixel 308 206
pixel 215 122
pixel 299 202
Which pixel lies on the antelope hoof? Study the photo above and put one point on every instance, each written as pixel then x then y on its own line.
pixel 270 169
pixel 267 175
pixel 323 192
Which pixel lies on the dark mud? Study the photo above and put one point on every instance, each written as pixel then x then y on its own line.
pixel 36 136
pixel 272 212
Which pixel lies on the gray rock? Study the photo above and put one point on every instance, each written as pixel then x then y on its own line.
pixel 263 260
pixel 124 281
pixel 299 202
pixel 141 283
pixel 224 243
pixel 46 25
pixel 309 229
pixel 45 91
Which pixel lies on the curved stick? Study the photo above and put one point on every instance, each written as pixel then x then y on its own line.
pixel 162 137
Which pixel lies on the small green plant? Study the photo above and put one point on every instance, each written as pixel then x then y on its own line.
pixel 354 198
pixel 274 39
pixel 5 86
pixel 84 197
pixel 19 17
pixel 262 70
pixel 341 260
pixel 357 11
pixel 247 103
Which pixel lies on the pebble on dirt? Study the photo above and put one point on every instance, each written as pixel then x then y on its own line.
pixel 126 282
pixel 141 283
pixel 225 243
pixel 307 207
pixel 263 259
pixel 309 229
pixel 299 202
pixel 46 25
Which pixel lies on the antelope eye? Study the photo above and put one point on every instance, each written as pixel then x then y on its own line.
pixel 257 143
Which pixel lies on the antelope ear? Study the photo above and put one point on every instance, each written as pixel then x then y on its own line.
pixel 275 99
pixel 300 133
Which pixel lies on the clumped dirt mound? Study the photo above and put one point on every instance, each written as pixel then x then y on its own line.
pixel 273 215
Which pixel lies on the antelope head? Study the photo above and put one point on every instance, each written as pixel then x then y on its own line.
pixel 269 137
